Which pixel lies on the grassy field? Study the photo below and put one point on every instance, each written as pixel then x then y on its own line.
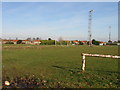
pixel 60 66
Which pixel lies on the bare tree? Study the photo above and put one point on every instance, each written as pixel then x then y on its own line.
pixel 33 38
pixel 40 38
pixel 60 40
pixel 37 38
pixel 28 39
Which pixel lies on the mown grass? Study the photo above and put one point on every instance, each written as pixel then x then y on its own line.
pixel 62 65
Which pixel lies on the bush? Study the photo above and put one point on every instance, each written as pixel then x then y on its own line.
pixel 63 42
pixel 19 41
pixel 47 42
pixel 111 44
pixel 95 42
pixel 80 43
pixel 9 42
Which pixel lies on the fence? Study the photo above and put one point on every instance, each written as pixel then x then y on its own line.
pixel 94 55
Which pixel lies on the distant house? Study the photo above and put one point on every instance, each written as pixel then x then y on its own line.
pixel 84 42
pixel 36 42
pixel 102 43
pixel 9 41
pixel 14 41
pixel 26 42
pixel 5 41
pixel 75 42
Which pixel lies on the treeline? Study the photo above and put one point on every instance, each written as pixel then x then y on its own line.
pixel 53 42
pixel 47 42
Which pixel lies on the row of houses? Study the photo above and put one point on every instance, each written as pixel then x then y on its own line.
pixel 38 42
pixel 35 42
pixel 86 43
pixel 78 42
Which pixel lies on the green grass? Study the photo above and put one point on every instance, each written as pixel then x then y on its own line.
pixel 62 64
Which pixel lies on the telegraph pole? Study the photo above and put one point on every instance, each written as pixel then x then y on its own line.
pixel 90 27
pixel 55 42
pixel 110 33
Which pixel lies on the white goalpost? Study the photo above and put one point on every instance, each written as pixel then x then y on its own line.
pixel 94 55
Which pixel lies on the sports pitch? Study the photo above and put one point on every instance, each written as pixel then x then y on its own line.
pixel 60 66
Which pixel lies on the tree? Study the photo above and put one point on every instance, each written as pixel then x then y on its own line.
pixel 60 40
pixel 47 42
pixel 37 38
pixel 49 39
pixel 118 41
pixel 33 38
pixel 95 42
pixel 80 43
pixel 19 41
pixel 109 41
pixel 40 38
pixel 115 42
pixel 28 39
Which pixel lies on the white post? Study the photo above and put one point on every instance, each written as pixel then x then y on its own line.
pixel 95 55
pixel 70 42
pixel 55 42
pixel 83 62
pixel 67 43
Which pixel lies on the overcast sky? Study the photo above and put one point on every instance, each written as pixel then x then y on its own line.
pixel 68 20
